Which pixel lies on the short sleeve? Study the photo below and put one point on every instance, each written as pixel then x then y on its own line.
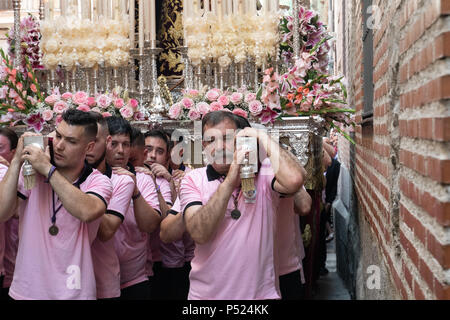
pixel 176 207
pixel 98 185
pixel 164 186
pixel 267 176
pixel 123 187
pixel 148 191
pixel 190 194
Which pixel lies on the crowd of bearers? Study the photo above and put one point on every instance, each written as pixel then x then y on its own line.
pixel 114 215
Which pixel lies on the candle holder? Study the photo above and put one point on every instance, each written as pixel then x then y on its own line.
pixel 142 91
pixel 17 40
pixel 154 52
pixel 198 75
pixel 296 26
pixel 187 66
pixel 115 78
pixel 94 73
pixel 241 74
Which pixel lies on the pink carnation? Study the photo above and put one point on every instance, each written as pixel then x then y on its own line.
pixel 84 107
pixel 50 100
pixel 215 106
pixel 60 107
pixel 203 108
pixel 175 111
pixel 80 97
pixel 194 114
pixel 47 115
pixel 133 103
pixel 119 103
pixel 103 101
pixel 249 97
pixel 139 116
pixel 236 97
pixel 240 112
pixel 223 100
pixel 255 107
pixel 67 95
pixel 193 93
pixel 213 94
pixel 187 103
pixel 58 119
pixel 126 112
pixel 96 109
pixel 106 114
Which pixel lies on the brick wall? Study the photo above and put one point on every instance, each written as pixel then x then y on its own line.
pixel 402 157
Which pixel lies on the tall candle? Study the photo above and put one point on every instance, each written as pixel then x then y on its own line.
pixel 265 6
pixel 214 6
pixel 252 7
pixel 147 18
pixel 241 7
pixel 52 9
pixel 207 5
pixel 116 10
pixel 152 20
pixel 132 23
pixel 219 9
pixel 141 24
pixel 46 10
pixel 229 7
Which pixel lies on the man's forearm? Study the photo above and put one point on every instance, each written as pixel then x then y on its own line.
pixel 147 218
pixel 108 227
pixel 82 206
pixel 302 202
pixel 172 228
pixel 202 224
pixel 8 191
pixel 163 206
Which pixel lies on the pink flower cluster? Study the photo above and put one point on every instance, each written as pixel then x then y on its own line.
pixel 105 104
pixel 195 104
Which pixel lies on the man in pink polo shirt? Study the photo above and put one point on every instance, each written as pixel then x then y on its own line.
pixel 106 262
pixel 289 250
pixel 234 254
pixel 8 230
pixel 61 216
pixel 143 216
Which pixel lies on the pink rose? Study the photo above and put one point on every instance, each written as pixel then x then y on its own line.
pixel 249 97
pixel 91 102
pixel 255 107
pixel 47 115
pixel 223 100
pixel 84 107
pixel 67 95
pixel 175 111
pixel 240 112
pixel 194 114
pixel 187 103
pixel 215 106
pixel 58 119
pixel 80 97
pixel 139 116
pixel 213 94
pixel 236 97
pixel 119 103
pixel 60 107
pixel 106 114
pixel 126 112
pixel 96 109
pixel 203 108
pixel 50 100
pixel 103 101
pixel 193 93
pixel 133 103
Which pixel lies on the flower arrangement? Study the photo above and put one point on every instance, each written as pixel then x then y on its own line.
pixel 29 44
pixel 312 35
pixel 69 41
pixel 195 104
pixel 19 92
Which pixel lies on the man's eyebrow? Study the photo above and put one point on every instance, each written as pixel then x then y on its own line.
pixel 66 137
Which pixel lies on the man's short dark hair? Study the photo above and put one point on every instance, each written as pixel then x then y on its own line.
pixel 76 117
pixel 11 136
pixel 156 133
pixel 101 120
pixel 215 117
pixel 137 137
pixel 118 125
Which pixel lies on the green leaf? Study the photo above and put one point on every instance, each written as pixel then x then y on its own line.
pixel 259 93
pixel 346 136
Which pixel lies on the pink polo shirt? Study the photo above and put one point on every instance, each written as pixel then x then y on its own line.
pixel 238 261
pixel 11 246
pixel 288 239
pixel 56 267
pixel 106 262
pixel 154 243
pixel 130 243
pixel 3 170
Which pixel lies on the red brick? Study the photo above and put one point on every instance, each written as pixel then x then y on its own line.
pixel 442 291
pixel 435 208
pixel 409 248
pixel 418 294
pixel 439 251
pixel 441 129
pixel 445 7
pixel 407 274
pixel 426 128
pixel 442 46
pixel 426 274
pixel 439 169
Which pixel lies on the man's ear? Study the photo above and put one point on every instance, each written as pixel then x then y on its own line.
pixel 145 153
pixel 90 146
pixel 108 139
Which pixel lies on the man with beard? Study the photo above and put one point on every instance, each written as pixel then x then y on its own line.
pixel 61 216
pixel 106 262
pixel 143 216
pixel 234 254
